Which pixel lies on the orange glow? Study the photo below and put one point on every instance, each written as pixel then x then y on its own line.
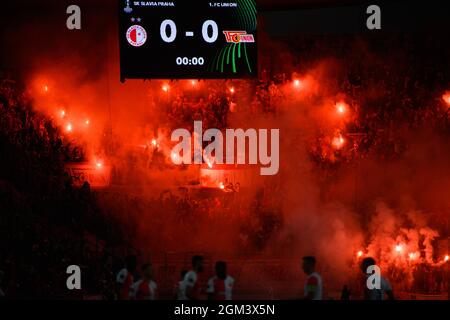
pixel 165 88
pixel 69 127
pixel 398 248
pixel 221 186
pixel 99 165
pixel 341 107
pixel 62 113
pixel 174 156
pixel 45 88
pixel 446 98
pixel 297 83
pixel 193 82
pixel 446 258
pixel 338 142
pixel 360 254
pixel 209 161
pixel 412 256
pixel 154 142
pixel 232 89
pixel 87 122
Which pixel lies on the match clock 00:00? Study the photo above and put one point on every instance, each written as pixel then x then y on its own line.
pixel 187 39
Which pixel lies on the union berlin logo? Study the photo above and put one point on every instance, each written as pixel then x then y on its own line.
pixel 238 36
pixel 136 35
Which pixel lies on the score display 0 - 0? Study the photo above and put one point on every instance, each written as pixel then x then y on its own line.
pixel 181 40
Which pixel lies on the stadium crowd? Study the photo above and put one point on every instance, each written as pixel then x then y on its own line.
pixel 47 224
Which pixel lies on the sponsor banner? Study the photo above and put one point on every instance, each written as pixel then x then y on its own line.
pixel 97 177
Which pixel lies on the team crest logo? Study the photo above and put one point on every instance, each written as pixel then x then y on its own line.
pixel 238 36
pixel 136 35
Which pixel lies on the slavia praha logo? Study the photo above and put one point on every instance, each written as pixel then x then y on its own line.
pixel 136 35
pixel 238 36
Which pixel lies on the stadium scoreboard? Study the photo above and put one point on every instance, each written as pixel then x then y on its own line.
pixel 187 39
